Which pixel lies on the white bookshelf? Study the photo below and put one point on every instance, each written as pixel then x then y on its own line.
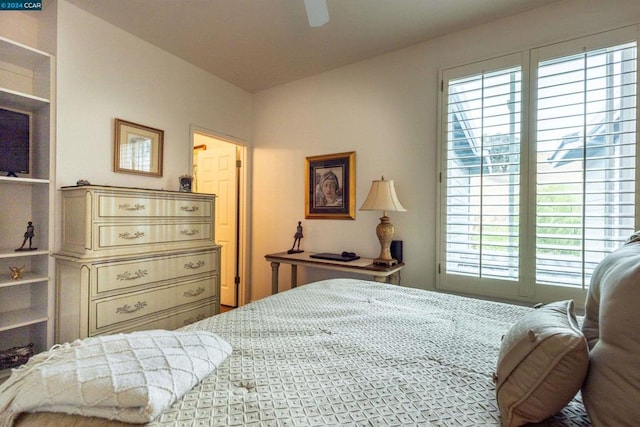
pixel 27 304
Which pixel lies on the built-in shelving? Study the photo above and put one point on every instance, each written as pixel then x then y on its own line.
pixel 27 181
pixel 26 303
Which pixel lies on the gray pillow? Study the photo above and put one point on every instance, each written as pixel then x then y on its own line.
pixel 611 392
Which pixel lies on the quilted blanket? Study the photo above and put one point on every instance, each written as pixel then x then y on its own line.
pixel 352 352
pixel 127 377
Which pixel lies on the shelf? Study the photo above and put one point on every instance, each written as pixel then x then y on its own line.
pixel 11 253
pixel 19 318
pixel 26 279
pixel 21 101
pixel 22 55
pixel 21 180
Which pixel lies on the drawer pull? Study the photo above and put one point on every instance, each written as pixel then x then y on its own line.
pixel 128 207
pixel 132 276
pixel 191 232
pixel 129 236
pixel 127 309
pixel 194 292
pixel 191 266
pixel 194 319
pixel 193 208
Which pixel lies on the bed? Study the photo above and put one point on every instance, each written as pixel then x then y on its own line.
pixel 349 352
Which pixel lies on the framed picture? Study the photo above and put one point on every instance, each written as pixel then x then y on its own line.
pixel 186 182
pixel 137 149
pixel 330 186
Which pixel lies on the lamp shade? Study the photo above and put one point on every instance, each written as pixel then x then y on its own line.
pixel 382 197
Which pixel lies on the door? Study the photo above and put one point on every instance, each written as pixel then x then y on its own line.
pixel 216 171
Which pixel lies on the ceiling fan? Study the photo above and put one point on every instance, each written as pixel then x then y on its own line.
pixel 317 12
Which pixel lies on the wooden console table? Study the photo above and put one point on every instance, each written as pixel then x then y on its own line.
pixel 380 273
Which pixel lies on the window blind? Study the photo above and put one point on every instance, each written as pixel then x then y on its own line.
pixel 538 167
pixel 483 174
pixel 585 161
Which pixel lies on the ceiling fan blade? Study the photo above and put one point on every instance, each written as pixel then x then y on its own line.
pixel 317 12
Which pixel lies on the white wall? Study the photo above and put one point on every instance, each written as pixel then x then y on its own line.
pixel 385 110
pixel 21 27
pixel 105 73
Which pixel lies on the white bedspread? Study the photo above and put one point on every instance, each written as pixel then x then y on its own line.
pixel 351 352
pixel 128 377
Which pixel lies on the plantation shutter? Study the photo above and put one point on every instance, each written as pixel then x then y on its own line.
pixel 482 175
pixel 538 167
pixel 585 161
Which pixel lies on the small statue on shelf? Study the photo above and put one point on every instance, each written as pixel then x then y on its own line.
pixel 28 235
pixel 16 272
pixel 296 239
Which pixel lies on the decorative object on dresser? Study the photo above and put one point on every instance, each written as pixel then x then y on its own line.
pixel 382 197
pixel 186 182
pixel 330 183
pixel 137 149
pixel 135 259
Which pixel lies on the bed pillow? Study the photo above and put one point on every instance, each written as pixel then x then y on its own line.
pixel 125 377
pixel 611 391
pixel 542 364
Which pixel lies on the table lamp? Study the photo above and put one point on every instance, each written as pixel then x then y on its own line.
pixel 382 197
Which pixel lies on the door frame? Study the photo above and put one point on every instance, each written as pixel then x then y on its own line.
pixel 244 294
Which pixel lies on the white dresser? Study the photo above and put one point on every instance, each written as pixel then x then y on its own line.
pixel 134 259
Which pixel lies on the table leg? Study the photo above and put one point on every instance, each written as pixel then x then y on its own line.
pixel 274 277
pixel 393 278
pixel 294 276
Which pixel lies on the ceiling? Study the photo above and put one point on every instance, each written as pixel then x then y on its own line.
pixel 259 44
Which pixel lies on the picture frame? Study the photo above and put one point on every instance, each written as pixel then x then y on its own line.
pixel 186 183
pixel 137 149
pixel 330 183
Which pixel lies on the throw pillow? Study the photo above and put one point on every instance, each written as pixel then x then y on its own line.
pixel 611 391
pixel 542 364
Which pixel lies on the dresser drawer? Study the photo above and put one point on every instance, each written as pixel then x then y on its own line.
pixel 174 320
pixel 122 275
pixel 99 222
pixel 112 311
pixel 129 235
pixel 137 206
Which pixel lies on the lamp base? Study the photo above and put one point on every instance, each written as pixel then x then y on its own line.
pixel 387 262
pixel 384 231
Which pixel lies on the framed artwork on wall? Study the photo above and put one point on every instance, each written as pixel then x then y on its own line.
pixel 330 186
pixel 137 149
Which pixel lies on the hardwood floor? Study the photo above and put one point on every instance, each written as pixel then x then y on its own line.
pixel 224 308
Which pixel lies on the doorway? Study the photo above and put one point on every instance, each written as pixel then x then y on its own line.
pixel 218 168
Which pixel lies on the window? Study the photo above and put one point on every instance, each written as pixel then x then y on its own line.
pixel 135 154
pixel 538 167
